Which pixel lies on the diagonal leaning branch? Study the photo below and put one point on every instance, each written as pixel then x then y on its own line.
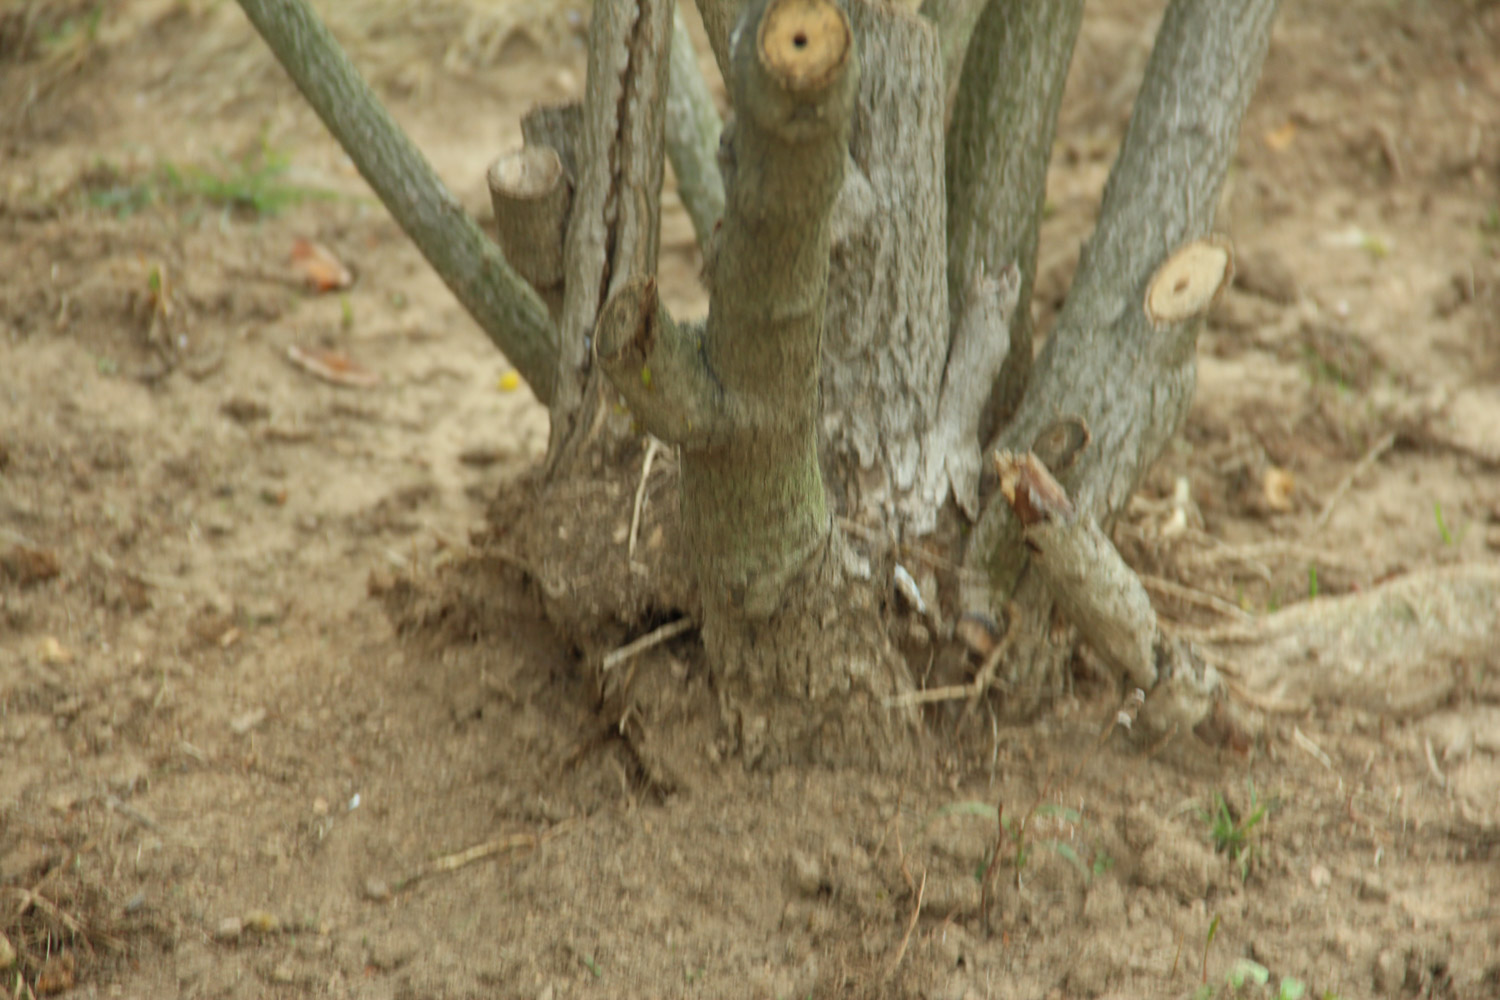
pixel 505 307
pixel 1128 378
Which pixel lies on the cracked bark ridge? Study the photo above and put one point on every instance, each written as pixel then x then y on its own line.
pixel 614 229
pixel 790 621
pixel 981 343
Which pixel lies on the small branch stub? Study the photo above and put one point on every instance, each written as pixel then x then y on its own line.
pixel 1189 282
pixel 804 43
pixel 531 197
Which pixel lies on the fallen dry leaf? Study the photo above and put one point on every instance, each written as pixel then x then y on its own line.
pixel 332 366
pixel 27 565
pixel 1278 139
pixel 1277 487
pixel 320 269
pixel 53 652
pixel 57 975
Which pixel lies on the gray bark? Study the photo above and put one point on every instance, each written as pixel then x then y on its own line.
pixel 693 128
pixel 887 329
pixel 981 343
pixel 999 146
pixel 1131 383
pixel 614 230
pixel 505 307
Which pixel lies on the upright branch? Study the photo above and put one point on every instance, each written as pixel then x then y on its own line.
pixel 532 195
pixel 753 501
pixel 506 308
pixel 1128 374
pixel 999 145
pixel 795 640
pixel 693 128
pixel 614 227
pixel 887 332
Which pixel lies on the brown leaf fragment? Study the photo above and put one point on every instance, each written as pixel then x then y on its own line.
pixel 321 271
pixel 332 366
pixel 27 565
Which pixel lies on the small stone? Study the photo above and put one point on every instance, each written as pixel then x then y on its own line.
pixel 1319 876
pixel 320 806
pixel 1372 889
pixel 806 874
pixel 480 456
pixel 243 410
pixel 1389 972
pixel 54 653
pixel 246 721
pixel 262 922
pixel 394 949
pixel 377 890
pixel 229 929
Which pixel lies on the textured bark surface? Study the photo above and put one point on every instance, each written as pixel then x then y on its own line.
pixel 1130 383
pixel 532 196
pixel 506 308
pixel 1104 599
pixel 999 146
pixel 614 229
pixel 887 330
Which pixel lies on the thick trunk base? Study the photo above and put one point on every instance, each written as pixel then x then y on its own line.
pixel 810 683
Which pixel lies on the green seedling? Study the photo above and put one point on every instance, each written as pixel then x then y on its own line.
pixel 1312 582
pixel 1437 511
pixel 1231 835
pixel 1490 224
pixel 255 183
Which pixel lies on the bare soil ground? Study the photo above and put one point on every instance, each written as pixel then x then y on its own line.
pixel 225 773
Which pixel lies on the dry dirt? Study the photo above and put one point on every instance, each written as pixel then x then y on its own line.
pixel 223 773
